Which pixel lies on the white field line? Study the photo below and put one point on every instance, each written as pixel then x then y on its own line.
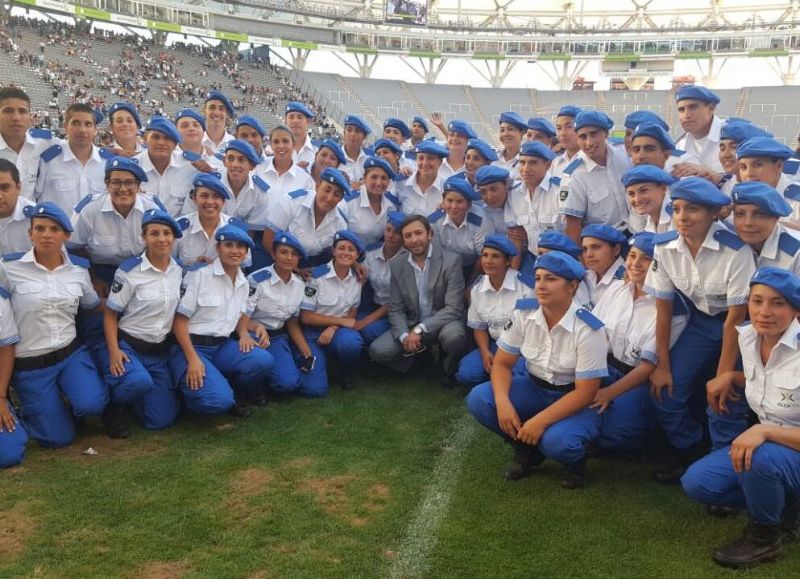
pixel 421 535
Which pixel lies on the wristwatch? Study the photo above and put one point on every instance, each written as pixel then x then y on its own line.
pixel 417 330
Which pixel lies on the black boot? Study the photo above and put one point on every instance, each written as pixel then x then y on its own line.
pixel 115 420
pixel 573 475
pixel 526 458
pixel 790 527
pixel 679 462
pixel 759 543
pixel 720 511
pixel 239 409
pixel 258 398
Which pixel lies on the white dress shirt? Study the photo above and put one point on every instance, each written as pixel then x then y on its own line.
pixel 329 295
pixel 275 301
pixel 491 309
pixel 705 149
pixel 172 188
pixel 595 193
pixel 213 303
pixel 64 181
pixel 465 239
pixel 379 273
pixel 27 160
pixel 362 220
pixel 296 215
pixel 9 333
pixel 536 211
pixel 414 200
pixel 14 235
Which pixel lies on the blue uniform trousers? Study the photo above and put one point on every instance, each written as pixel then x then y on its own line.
pixel 772 482
pixel 12 445
pixel 470 368
pixel 90 324
pixel 43 412
pixel 564 441
pixel 345 348
pixel 246 371
pixel 146 384
pixel 628 418
pixel 372 331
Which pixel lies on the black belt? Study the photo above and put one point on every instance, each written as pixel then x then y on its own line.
pixel 554 387
pixel 277 332
pixel 144 347
pixel 199 340
pixel 46 360
pixel 621 366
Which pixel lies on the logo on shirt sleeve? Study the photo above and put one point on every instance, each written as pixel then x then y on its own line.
pixel 310 291
pixel 116 286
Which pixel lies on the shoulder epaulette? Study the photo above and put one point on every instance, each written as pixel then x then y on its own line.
pixel 130 263
pixel 790 166
pixel 788 243
pixel 589 319
pixel 475 219
pixel 158 203
pixel 79 261
pixel 373 246
pixel 320 270
pixel 574 164
pixel 196 266
pixel 792 192
pixel 179 263
pixel 515 185
pixel 351 195
pixel 191 156
pixel 665 237
pixel 83 203
pixel 260 183
pixel 4 293
pixel 261 275
pixel 51 153
pixel 526 279
pixel 343 215
pixel 297 193
pixel 368 151
pixel 436 215
pixel 184 223
pixel 106 154
pixel 620 273
pixel 555 180
pixel 410 154
pixel 13 256
pixel 526 304
pixel 678 153
pixel 728 239
pixel 393 198
pixel 40 134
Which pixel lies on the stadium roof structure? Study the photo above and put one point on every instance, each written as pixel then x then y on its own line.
pixel 633 39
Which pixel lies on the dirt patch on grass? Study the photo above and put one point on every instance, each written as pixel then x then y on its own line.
pixel 162 570
pixel 301 463
pixel 329 493
pixel 16 528
pixel 246 484
pixel 108 448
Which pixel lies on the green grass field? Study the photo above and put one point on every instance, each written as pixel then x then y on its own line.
pixel 388 480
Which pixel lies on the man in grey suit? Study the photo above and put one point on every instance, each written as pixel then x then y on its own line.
pixel 426 303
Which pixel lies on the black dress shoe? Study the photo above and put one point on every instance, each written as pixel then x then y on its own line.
pixel 115 420
pixel 239 411
pixel 721 512
pixel 760 543
pixel 573 475
pixel 258 399
pixel 526 458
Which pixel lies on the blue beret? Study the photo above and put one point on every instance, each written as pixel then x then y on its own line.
pixel 233 233
pixel 432 148
pixel 698 93
pixel 387 144
pixel 483 148
pixel 490 174
pixel 166 127
pixel 593 119
pixel 763 147
pixel 372 162
pixel 51 211
pixel 396 218
pixel 782 281
pixel 215 95
pixel 462 128
pixel 252 122
pixel 569 111
pixel 286 238
pixel 460 185
pixel 643 241
pixel 501 243
pixel 646 174
pixel 557 241
pixel 297 107
pixel 766 197
pixel 700 191
pixel 656 132
pixel 337 150
pixel 421 121
pixel 162 217
pixel 537 149
pixel 398 124
pixel 542 125
pixel 126 164
pixel 352 237
pixel 358 123
pixel 212 182
pixel 636 118
pixel 245 148
pixel 191 113
pixel 741 131
pixel 123 106
pixel 336 177
pixel 514 118
pixel 561 264
pixel 604 232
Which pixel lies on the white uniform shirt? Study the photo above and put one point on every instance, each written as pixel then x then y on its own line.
pixel 537 212
pixel 328 295
pixel 792 197
pixel 446 170
pixel 490 309
pixel 147 297
pixel 379 273
pixel 108 237
pixel 195 243
pixel 249 207
pixel 362 220
pixel 306 153
pixel 14 229
pixel 296 215
pixel 571 350
pixel 64 181
pixel 781 249
pixel 664 220
pixel 631 324
pixel 9 334
pixel 212 147
pixel 27 160
pixel 281 185
pixel 560 163
pixel 414 200
pixel 496 216
pixel 212 302
pixel 466 239
pixel 595 193
pixel 354 168
pixel 172 188
pixel 705 149
pixel 597 287
pixel 511 165
pixel 46 302
pixel 274 300
pixel 717 278
pixel 773 391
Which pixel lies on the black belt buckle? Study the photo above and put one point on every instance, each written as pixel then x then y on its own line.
pixel 46 360
pixel 621 366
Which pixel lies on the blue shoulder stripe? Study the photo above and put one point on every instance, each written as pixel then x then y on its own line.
pixel 51 153
pixel 792 192
pixel 184 223
pixel 665 237
pixel 475 219
pixel 260 183
pixel 393 198
pixel 106 154
pixel 728 239
pixel 261 275
pixel 788 243
pixel 574 164
pixel 320 270
pixel 589 319
pixel 130 263
pixel 79 261
pixel 83 203
pixel 527 304
pixel 13 256
pixel 375 245
pixel 297 193
pixel 436 215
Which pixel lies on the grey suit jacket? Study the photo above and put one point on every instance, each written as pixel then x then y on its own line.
pixel 445 282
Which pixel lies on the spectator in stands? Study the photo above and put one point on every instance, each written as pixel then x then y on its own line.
pixel 421 193
pixel 297 119
pixel 459 134
pixel 124 122
pixel 280 171
pixel 512 129
pixel 219 112
pixel 356 131
pixel 14 224
pixel 478 154
pixel 567 139
pixel 696 108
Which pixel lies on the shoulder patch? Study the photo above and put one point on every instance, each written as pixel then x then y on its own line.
pixel 197 266
pixel 620 273
pixel 83 203
pixel 297 193
pixel 260 183
pixel 158 203
pixel 106 154
pixel 728 239
pixel 191 157
pixel 574 164
pixel 13 256
pixel 526 304
pixel 393 198
pixel 554 180
pixel 788 243
pixel 665 237
pixel 184 223
pixel 678 153
pixel 40 134
pixel 130 263
pixel 51 153
pixel 351 195
pixel 79 261
pixel 526 279
pixel 436 216
pixel 261 275
pixel 475 219
pixel 320 270
pixel 374 246
pixel 791 166
pixel 792 192
pixel 310 292
pixel 4 293
pixel 589 319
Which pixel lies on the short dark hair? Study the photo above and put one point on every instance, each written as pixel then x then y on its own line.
pixel 78 108
pixel 415 217
pixel 13 92
pixel 7 166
